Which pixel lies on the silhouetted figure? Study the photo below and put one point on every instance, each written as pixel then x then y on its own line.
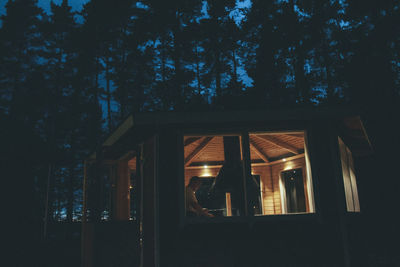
pixel 193 207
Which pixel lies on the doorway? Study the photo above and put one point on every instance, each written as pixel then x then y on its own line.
pixel 293 191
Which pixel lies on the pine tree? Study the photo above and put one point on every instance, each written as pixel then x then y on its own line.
pixel 170 20
pixel 20 44
pixel 263 43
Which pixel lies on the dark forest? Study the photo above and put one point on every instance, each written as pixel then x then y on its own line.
pixel 69 78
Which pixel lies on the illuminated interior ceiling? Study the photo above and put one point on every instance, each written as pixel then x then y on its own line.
pixel 264 148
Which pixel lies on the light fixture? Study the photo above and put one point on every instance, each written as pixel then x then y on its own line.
pixel 205 166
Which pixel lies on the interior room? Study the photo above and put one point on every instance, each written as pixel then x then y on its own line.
pixel 280 181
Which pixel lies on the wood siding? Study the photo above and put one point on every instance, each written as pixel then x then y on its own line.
pixel 269 177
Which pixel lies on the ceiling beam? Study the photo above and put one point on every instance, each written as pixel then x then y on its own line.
pixel 277 142
pixel 190 140
pixel 197 150
pixel 286 160
pixel 295 135
pixel 258 151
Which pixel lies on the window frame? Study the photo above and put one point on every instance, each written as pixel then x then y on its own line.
pixel 355 199
pixel 244 133
pixel 308 172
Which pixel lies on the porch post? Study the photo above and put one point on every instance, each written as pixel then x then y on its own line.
pixel 122 202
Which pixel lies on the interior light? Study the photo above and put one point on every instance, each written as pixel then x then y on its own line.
pixel 284 159
pixel 205 166
pixel 288 166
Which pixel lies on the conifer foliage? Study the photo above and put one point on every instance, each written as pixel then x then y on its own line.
pixel 67 78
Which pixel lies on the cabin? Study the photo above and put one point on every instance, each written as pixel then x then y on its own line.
pixel 275 188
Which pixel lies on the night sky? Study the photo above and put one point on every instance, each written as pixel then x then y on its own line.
pixel 78 4
pixel 45 4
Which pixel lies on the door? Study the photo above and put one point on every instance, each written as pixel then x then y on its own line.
pixel 294 191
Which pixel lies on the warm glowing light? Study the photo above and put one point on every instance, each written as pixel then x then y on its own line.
pixel 228 204
pixel 284 159
pixel 205 166
pixel 130 187
pixel 288 167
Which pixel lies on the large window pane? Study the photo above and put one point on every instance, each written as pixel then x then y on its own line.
pixel 213 176
pixel 281 176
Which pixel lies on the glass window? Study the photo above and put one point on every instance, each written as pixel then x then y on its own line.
pixel 213 176
pixel 349 178
pixel 216 184
pixel 281 176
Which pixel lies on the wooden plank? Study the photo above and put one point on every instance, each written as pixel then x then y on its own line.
pixel 295 135
pixel 228 204
pixel 190 140
pixel 277 142
pixel 120 131
pixel 252 164
pixel 197 150
pixel 279 160
pixel 202 167
pixel 258 151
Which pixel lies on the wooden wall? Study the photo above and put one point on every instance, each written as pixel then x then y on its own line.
pixel 201 172
pixel 269 188
pixel 269 176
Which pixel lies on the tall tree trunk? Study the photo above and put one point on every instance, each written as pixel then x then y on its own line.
pixel 301 85
pixel 96 80
pixel 198 71
pixel 48 210
pixel 234 73
pixel 178 78
pixel 108 92
pixel 58 208
pixel 163 73
pixel 218 88
pixel 328 63
pixel 70 192
pixel 122 70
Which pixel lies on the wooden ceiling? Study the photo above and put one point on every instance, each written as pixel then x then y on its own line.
pixel 263 148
